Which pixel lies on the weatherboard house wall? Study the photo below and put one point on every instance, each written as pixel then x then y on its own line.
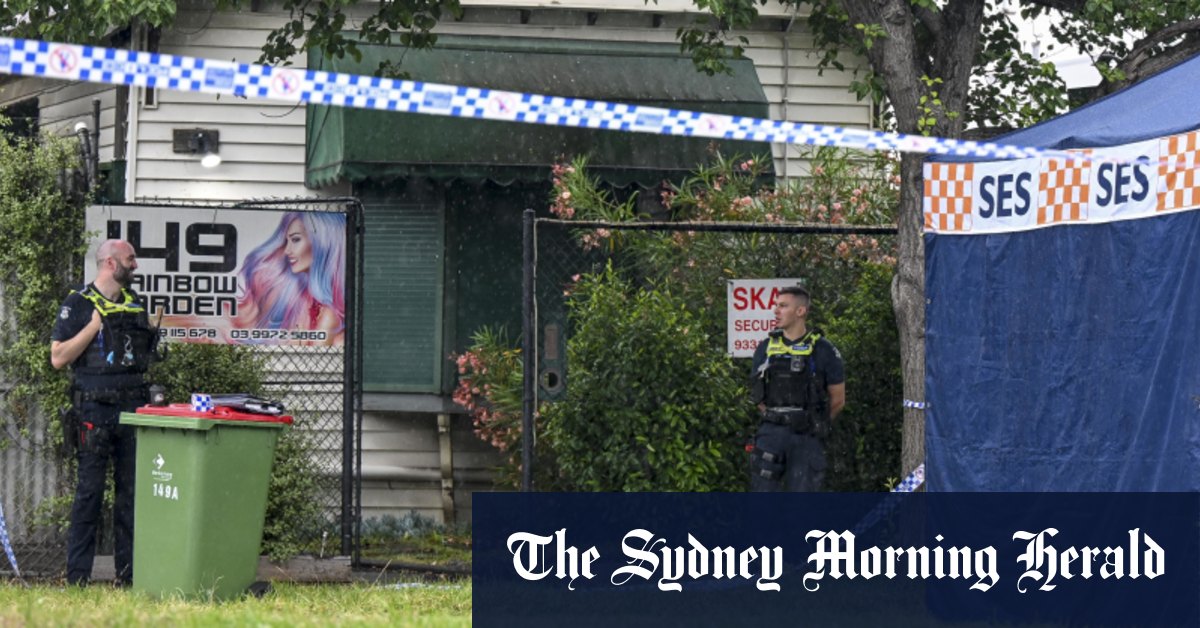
pixel 263 151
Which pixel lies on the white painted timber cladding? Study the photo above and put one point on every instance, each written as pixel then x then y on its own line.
pixel 63 105
pixel 771 9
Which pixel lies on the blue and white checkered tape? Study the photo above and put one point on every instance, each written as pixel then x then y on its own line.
pixel 202 403
pixel 914 480
pixel 124 67
pixel 891 501
pixel 8 550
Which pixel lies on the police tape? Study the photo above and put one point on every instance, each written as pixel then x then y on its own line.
pixel 919 405
pixel 192 74
pixel 8 550
pixel 892 500
pixel 912 482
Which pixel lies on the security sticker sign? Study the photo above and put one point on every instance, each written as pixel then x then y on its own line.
pixel 750 307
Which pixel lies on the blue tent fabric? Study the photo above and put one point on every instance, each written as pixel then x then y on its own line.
pixel 1068 358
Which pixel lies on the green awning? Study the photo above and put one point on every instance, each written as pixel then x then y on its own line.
pixel 359 144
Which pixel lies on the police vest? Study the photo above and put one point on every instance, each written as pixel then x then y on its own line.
pixel 790 375
pixel 125 342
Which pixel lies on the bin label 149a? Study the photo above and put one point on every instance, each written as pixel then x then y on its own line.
pixel 161 488
pixel 166 491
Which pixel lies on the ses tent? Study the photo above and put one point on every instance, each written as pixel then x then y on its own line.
pixel 1063 302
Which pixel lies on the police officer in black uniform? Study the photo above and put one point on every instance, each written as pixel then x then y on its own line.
pixel 103 332
pixel 799 385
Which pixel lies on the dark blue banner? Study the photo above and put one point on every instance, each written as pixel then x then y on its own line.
pixel 1064 359
pixel 543 559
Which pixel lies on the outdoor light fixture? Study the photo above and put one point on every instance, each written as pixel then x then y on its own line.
pixel 203 142
pixel 85 149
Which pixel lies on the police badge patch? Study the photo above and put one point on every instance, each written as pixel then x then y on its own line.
pixel 65 313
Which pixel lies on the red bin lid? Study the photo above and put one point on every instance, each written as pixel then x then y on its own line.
pixel 219 413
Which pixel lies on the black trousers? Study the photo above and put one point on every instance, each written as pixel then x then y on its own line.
pixel 783 460
pixel 102 440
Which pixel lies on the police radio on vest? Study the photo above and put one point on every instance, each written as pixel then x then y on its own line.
pixel 226 251
pixel 754 298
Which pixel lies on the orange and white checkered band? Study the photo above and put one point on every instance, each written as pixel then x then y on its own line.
pixel 1178 183
pixel 1064 187
pixel 948 196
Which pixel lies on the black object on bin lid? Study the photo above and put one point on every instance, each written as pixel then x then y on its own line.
pixel 219 413
pixel 248 403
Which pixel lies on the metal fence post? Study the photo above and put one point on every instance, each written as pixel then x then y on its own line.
pixel 349 376
pixel 528 348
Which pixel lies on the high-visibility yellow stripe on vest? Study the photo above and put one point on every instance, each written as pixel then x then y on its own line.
pixel 106 307
pixel 776 345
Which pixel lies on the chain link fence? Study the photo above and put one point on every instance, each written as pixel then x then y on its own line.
pixel 319 385
pixel 695 262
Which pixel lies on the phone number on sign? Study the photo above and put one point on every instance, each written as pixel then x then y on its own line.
pixel 745 345
pixel 277 334
pixel 187 332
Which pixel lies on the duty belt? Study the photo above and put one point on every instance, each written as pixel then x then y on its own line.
pixel 114 395
pixel 782 414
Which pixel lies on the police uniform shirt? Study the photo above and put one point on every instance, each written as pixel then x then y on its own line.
pixel 828 360
pixel 75 314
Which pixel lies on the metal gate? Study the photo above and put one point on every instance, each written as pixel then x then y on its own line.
pixel 557 252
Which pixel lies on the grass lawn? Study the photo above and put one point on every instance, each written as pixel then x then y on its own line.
pixel 446 604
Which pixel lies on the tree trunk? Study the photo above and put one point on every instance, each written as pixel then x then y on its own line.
pixel 899 59
pixel 908 299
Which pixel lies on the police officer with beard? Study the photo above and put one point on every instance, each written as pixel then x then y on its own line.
pixel 103 332
pixel 798 382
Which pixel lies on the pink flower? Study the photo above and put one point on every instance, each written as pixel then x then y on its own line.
pixel 837 207
pixel 819 170
pixel 603 233
pixel 575 277
pixel 566 195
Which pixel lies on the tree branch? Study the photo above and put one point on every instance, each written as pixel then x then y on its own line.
pixel 895 57
pixel 954 56
pixel 1142 49
pixel 1066 6
pixel 931 20
pixel 1157 64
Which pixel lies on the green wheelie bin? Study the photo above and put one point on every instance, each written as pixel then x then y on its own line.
pixel 200 498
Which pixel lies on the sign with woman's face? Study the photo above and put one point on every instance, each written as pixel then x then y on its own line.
pixel 235 276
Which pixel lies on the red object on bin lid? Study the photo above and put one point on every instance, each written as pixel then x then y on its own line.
pixel 219 413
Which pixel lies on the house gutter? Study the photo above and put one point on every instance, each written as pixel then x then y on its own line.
pixel 787 82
